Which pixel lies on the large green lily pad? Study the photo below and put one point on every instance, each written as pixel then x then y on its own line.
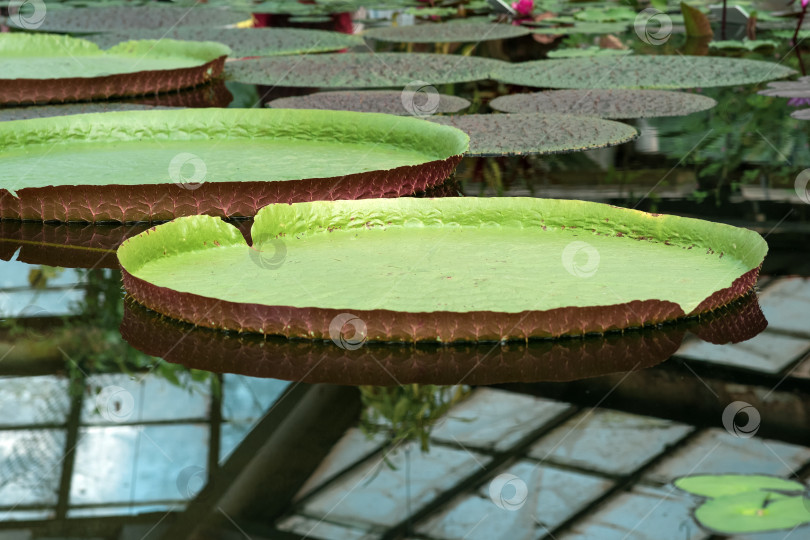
pixel 446 32
pixel 452 269
pixel 414 103
pixel 245 41
pixel 640 71
pixel 155 165
pixel 620 103
pixel 516 134
pixel 88 20
pixel 582 28
pixel 25 113
pixel 42 68
pixel 360 70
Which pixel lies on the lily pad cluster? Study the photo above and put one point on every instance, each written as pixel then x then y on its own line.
pixel 619 103
pixel 446 32
pixel 739 504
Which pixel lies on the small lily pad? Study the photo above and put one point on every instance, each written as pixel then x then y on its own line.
pixel 578 52
pixel 713 485
pixel 360 70
pixel 641 71
pixel 89 20
pixel 789 89
pixel 518 134
pixel 584 28
pixel 745 44
pixel 379 101
pixel 245 41
pixel 621 103
pixel 446 32
pixel 803 114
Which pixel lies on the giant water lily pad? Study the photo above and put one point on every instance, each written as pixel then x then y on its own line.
pixel 387 364
pixel 25 113
pixel 88 20
pixel 155 165
pixel 245 41
pixel 413 103
pixel 446 32
pixel 452 269
pixel 621 103
pixel 43 68
pixel 515 134
pixel 360 70
pixel 639 71
pixel 799 88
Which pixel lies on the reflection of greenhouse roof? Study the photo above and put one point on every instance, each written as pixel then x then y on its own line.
pixel 587 459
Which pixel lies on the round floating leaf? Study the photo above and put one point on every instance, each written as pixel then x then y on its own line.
pixel 446 32
pixel 353 70
pixel 803 114
pixel 379 101
pixel 753 512
pixel 606 14
pixel 747 44
pixel 26 113
pixel 88 20
pixel 789 89
pixel 584 28
pixel 619 103
pixel 722 485
pixel 638 71
pixel 246 41
pixel 587 51
pixel 43 68
pixel 441 270
pixel 155 165
pixel 516 134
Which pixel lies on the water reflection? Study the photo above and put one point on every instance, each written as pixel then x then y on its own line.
pixel 397 364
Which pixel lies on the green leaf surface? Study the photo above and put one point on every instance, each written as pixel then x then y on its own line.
pixel 49 56
pixel 227 145
pixel 88 20
pixel 411 255
pixel 26 113
pixel 245 41
pixel 620 103
pixel 584 28
pixel 747 44
pixel 446 32
pixel 714 485
pixel 516 134
pixel 753 512
pixel 358 70
pixel 395 102
pixel 593 50
pixel 788 89
pixel 641 71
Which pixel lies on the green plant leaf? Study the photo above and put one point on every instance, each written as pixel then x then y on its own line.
pixel 446 32
pixel 380 101
pixel 516 134
pixel 440 266
pixel 753 512
pixel 713 485
pixel 620 103
pixel 640 71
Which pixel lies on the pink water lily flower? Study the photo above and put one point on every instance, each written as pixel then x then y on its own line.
pixel 525 7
